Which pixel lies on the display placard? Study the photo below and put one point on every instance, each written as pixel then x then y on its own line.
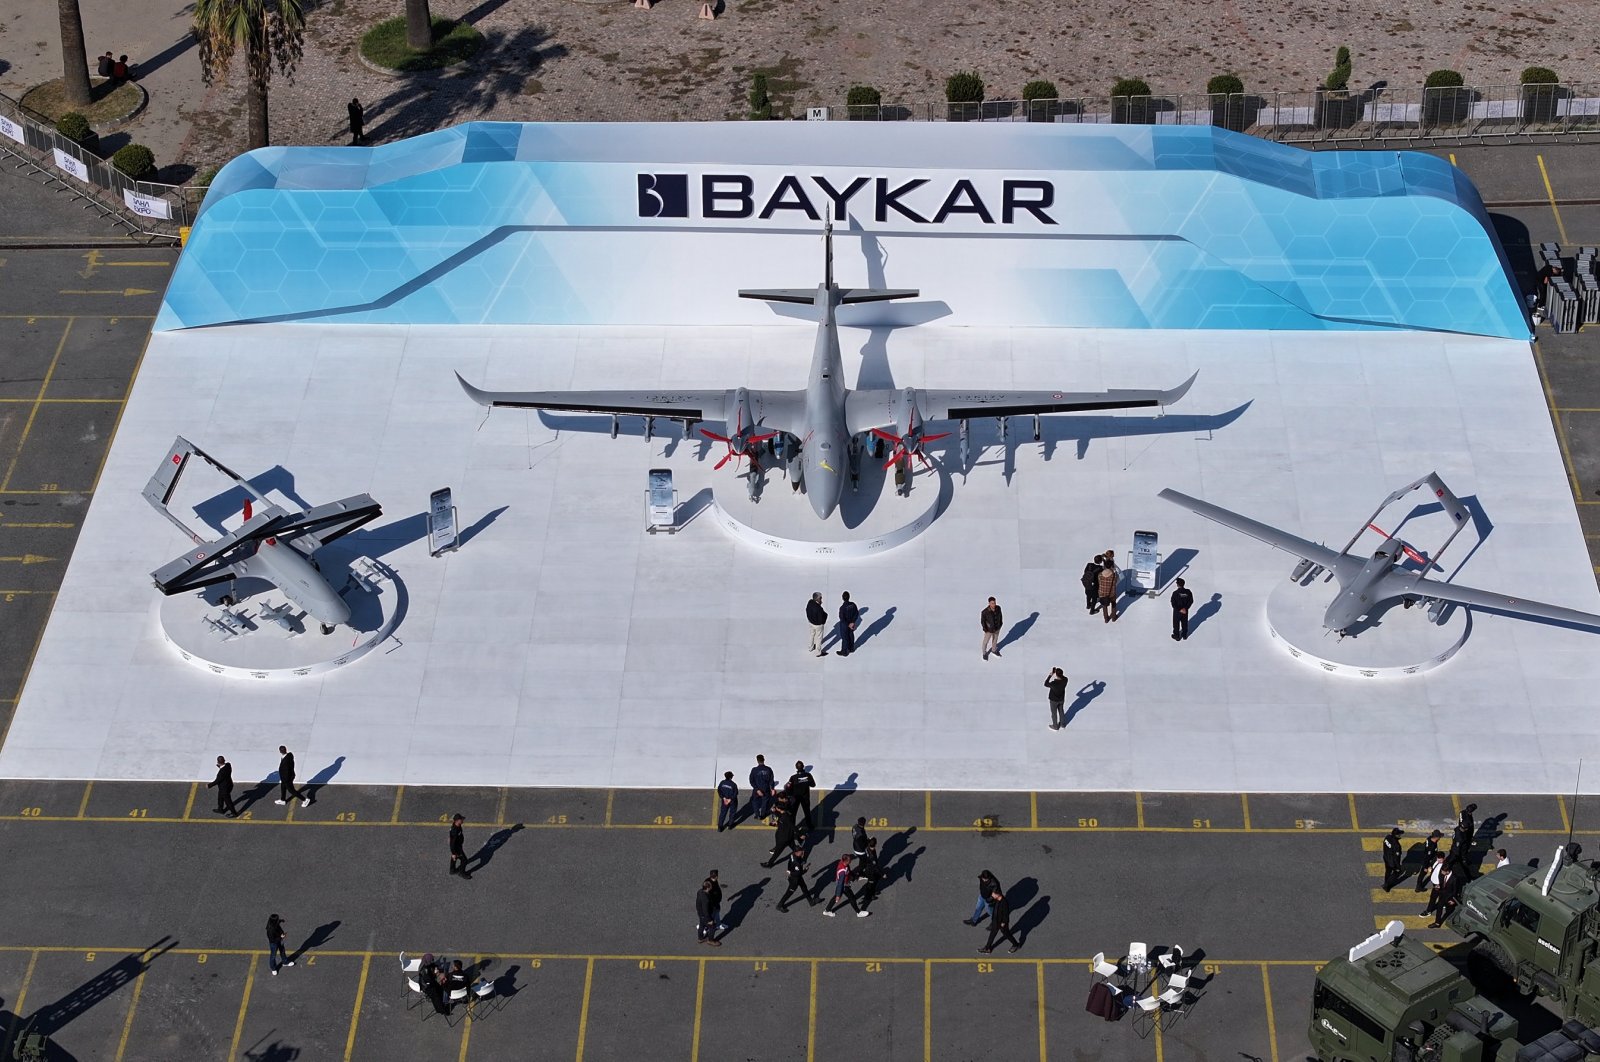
pixel 76 167
pixel 147 206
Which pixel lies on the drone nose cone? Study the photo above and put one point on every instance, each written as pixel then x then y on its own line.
pixel 822 503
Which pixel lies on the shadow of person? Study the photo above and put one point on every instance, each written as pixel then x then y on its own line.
pixel 505 985
pixel 260 791
pixel 742 902
pixel 828 808
pixel 480 859
pixel 480 525
pixel 903 867
pixel 313 788
pixel 1205 612
pixel 877 626
pixel 894 844
pixel 319 936
pixel 1022 893
pixel 1088 693
pixel 1031 918
pixel 1018 631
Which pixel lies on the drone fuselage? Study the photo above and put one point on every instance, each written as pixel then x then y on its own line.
pixel 290 571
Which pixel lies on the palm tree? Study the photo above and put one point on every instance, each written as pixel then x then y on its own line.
pixel 271 34
pixel 419 25
pixel 74 60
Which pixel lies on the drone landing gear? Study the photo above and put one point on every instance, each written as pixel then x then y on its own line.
pixel 327 628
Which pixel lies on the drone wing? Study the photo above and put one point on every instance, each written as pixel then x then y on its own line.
pixel 1396 584
pixel 1342 565
pixel 963 405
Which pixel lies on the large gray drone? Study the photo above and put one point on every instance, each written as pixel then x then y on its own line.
pixel 1365 584
pixel 273 544
pixel 818 423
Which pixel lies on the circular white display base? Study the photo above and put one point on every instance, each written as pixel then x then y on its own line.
pixel 243 641
pixel 1396 641
pixel 870 519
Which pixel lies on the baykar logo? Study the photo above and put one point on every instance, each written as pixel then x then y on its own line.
pixel 663 195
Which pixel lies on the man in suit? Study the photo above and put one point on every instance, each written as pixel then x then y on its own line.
pixel 1439 876
pixel 1393 859
pixel 849 616
pixel 999 922
pixel 1448 892
pixel 286 787
pixel 1430 849
pixel 705 913
pixel 797 881
pixel 458 849
pixel 223 784
pixel 801 783
pixel 1461 840
pixel 1182 602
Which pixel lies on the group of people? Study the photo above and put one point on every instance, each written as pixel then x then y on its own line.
pixel 115 69
pixel 1443 873
pixel 287 790
pixel 992 903
pixel 440 979
pixel 817 619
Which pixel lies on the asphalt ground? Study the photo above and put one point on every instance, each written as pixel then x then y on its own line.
pixel 143 936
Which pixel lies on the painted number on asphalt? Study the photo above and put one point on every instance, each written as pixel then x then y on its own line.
pixel 1088 824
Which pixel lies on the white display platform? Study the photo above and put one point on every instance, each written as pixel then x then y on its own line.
pixel 264 650
pixel 1395 643
pixel 563 646
pixel 872 518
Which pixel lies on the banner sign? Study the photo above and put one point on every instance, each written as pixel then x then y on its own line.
pixel 73 166
pixel 148 206
pixel 11 129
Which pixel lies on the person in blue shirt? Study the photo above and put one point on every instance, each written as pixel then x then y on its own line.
pixel 761 783
pixel 728 802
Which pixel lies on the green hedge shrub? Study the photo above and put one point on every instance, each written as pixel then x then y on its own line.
pixel 1225 85
pixel 135 160
pixel 1444 79
pixel 1130 86
pixel 965 87
pixel 1040 90
pixel 1540 75
pixel 863 96
pixel 74 126
pixel 760 101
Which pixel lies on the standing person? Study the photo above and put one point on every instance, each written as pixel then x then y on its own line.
pixel 1430 850
pixel 858 837
pixel 1449 895
pixel 1461 841
pixel 1182 602
pixel 817 616
pixel 761 782
pixel 704 918
pixel 1501 859
pixel 716 902
pixel 458 849
pixel 1437 875
pixel 1056 683
pixel 223 784
pixel 801 783
pixel 870 872
pixel 1393 859
pixel 1107 587
pixel 783 839
pixel 842 890
pixel 797 880
pixel 727 802
pixel 277 955
pixel 849 616
pixel 1091 585
pixel 987 883
pixel 999 921
pixel 989 620
pixel 358 118
pixel 286 787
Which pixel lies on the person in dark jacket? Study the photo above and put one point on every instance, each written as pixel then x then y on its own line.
pixel 987 883
pixel 1430 848
pixel 458 850
pixel 1393 859
pixel 858 837
pixel 716 902
pixel 990 620
pixel 1461 840
pixel 849 616
pixel 761 782
pixel 1091 585
pixel 797 880
pixel 223 784
pixel 869 871
pixel 119 69
pixel 999 921
pixel 358 118
pixel 783 839
pixel 727 802
pixel 277 955
pixel 705 914
pixel 817 616
pixel 286 786
pixel 801 783
pixel 1182 602
pixel 1056 683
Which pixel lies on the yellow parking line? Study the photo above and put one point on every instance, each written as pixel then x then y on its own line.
pixel 583 1014
pixel 188 807
pixel 1272 1024
pixel 127 1023
pixel 1044 1053
pixel 611 795
pixel 83 805
pixel 927 1011
pixel 1244 805
pixel 699 1002
pixel 927 809
pixel 1455 803
pixel 811 1017
pixel 44 386
pixel 1033 810
pixel 244 1005
pixel 355 1011
pixel 500 808
pixel 1355 823
pixel 1138 804
pixel 1411 922
pixel 1551 193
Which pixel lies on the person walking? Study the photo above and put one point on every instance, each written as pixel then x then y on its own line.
pixel 1182 602
pixel 801 783
pixel 1091 585
pixel 989 620
pixel 797 880
pixel 1393 859
pixel 1106 585
pixel 782 840
pixel 999 922
pixel 727 802
pixel 277 955
pixel 1436 875
pixel 286 786
pixel 817 617
pixel 869 871
pixel 704 917
pixel 761 782
pixel 858 837
pixel 987 883
pixel 223 784
pixel 1056 683
pixel 358 118
pixel 716 902
pixel 1430 850
pixel 842 891
pixel 1461 841
pixel 458 849
pixel 849 616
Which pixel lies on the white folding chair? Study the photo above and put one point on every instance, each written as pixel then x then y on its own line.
pixel 1145 1019
pixel 457 995
pixel 1106 970
pixel 409 966
pixel 1176 999
pixel 1138 956
pixel 483 995
pixel 415 997
pixel 1170 959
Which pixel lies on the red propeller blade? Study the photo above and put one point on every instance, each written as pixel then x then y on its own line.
pixel 713 435
pixel 729 456
pixel 886 436
pixel 761 438
pixel 941 435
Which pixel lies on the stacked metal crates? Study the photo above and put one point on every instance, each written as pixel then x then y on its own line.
pixel 1562 306
pixel 1587 279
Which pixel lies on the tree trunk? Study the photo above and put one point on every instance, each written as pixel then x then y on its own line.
pixel 255 108
pixel 419 25
pixel 74 59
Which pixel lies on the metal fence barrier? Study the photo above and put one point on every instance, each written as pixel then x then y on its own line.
pixel 1295 117
pixel 158 209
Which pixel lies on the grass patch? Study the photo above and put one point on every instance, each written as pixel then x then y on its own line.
pixel 106 103
pixel 453 42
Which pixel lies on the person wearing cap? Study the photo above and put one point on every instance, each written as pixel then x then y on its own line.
pixel 1430 849
pixel 1393 859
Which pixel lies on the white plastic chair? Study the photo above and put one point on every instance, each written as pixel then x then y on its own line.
pixel 1145 1019
pixel 1106 970
pixel 415 996
pixel 482 993
pixel 1148 1004
pixel 1171 959
pixel 1138 956
pixel 409 966
pixel 457 995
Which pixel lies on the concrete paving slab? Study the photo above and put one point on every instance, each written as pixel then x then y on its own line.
pixel 188 1007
